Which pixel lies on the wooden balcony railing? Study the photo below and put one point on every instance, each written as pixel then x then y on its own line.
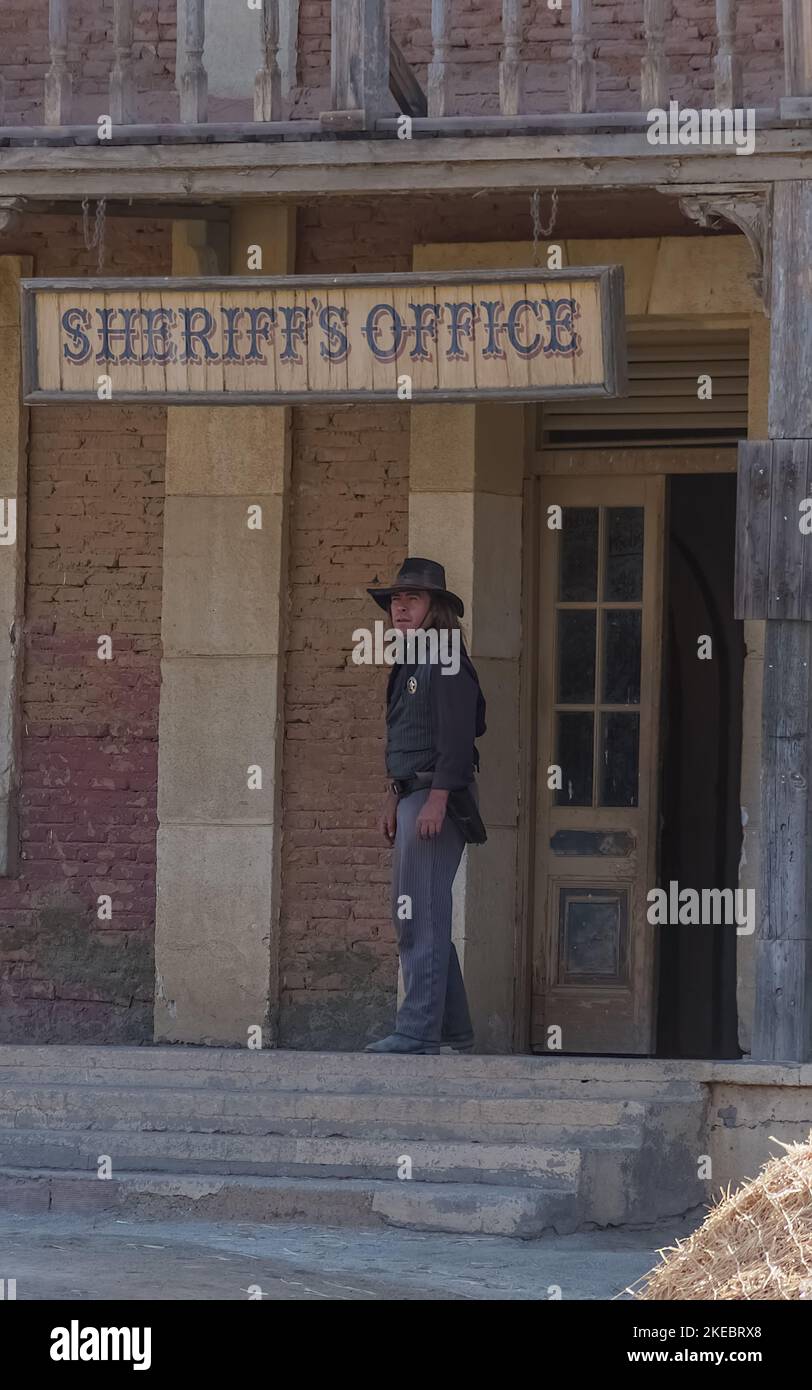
pixel 371 79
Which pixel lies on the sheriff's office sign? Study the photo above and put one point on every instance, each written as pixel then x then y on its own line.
pixel 515 335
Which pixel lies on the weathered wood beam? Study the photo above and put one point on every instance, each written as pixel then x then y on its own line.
pixel 727 66
pixel 193 82
pixel 57 78
pixel 791 373
pixel 782 1028
pixel 654 70
pixel 510 66
pixel 122 76
pixel 268 81
pixel 291 168
pixel 359 57
pixel 798 47
pixel 438 93
pixel 582 63
pixel 403 83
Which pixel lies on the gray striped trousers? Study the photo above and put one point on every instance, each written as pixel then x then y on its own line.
pixel 434 1007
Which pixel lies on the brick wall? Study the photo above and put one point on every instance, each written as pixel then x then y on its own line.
pixel 24 57
pixel 88 802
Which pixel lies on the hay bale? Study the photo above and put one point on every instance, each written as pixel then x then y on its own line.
pixel 756 1243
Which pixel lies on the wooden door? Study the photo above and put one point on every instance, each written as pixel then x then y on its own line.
pixel 600 624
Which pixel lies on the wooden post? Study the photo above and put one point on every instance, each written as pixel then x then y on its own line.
pixel 727 64
pixel 438 67
pixel 268 82
pixel 774 581
pixel 360 57
pixel 122 78
pixel 193 83
pixel 654 75
pixel 798 47
pixel 510 67
pixel 57 78
pixel 582 63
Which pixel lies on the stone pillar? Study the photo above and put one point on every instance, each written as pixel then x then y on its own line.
pixel 216 942
pixel 465 509
pixel 774 582
pixel 13 493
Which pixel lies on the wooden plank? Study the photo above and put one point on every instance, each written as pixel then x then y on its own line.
pixel 235 374
pixel 783 1003
pixel 449 369
pixel 403 83
pixel 122 75
pixel 268 81
pixel 798 47
pixel 786 908
pixel 282 171
pixel 654 70
pixel 753 507
pixel 727 66
pixel 582 63
pixel 359 56
pixel 193 82
pixel 790 408
pixel 510 66
pixel 438 76
pixel 787 543
pixel 57 78
pixel 338 370
pixel 48 372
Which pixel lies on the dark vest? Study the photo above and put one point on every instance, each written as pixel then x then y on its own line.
pixel 409 733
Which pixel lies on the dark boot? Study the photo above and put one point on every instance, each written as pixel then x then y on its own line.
pixel 398 1042
pixel 460 1044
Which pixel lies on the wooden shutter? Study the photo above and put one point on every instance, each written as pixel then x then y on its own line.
pixel 662 405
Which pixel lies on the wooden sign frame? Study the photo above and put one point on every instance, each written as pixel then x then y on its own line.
pixel 609 326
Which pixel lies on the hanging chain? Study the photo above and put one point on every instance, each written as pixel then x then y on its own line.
pixel 535 217
pixel 96 238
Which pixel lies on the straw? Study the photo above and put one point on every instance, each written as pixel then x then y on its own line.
pixel 755 1243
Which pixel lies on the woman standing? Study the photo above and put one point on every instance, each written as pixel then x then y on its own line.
pixel 433 717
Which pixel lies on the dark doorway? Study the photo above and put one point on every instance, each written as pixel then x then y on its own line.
pixel 700 817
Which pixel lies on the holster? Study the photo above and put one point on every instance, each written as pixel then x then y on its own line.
pixel 462 809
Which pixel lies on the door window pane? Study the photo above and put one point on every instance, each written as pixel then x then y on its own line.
pixel 574 757
pixel 578 575
pixel 576 657
pixel 622 631
pixel 623 580
pixel 620 738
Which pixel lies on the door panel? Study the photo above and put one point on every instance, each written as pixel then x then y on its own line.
pixel 600 618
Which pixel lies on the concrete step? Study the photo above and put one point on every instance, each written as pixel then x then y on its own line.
pixel 460 1208
pixel 91 1106
pixel 445 1075
pixel 606 1141
pixel 155 1058
pixel 273 1156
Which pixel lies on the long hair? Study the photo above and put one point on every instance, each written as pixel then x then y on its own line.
pixel 441 615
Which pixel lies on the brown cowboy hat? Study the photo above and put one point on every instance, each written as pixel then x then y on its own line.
pixel 416 573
